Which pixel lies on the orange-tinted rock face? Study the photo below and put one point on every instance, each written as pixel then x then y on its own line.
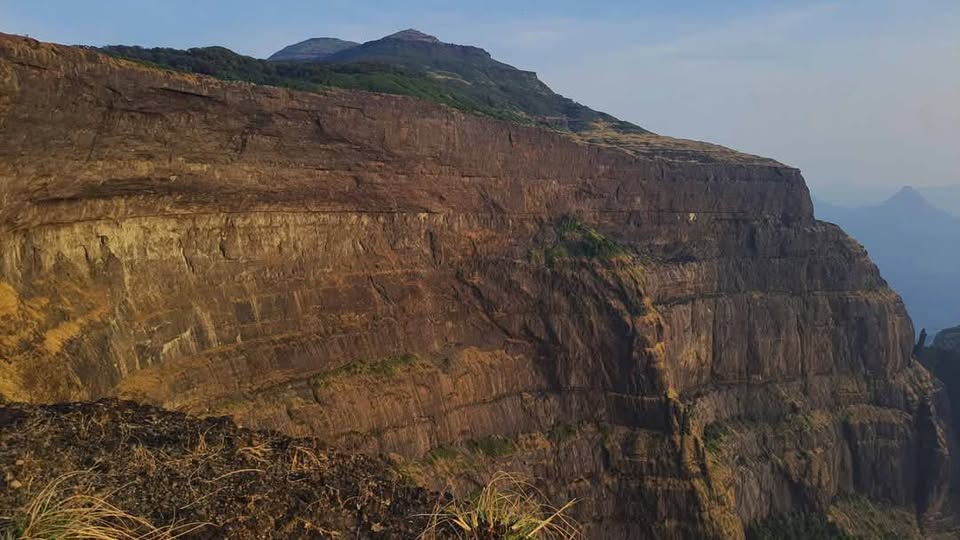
pixel 394 276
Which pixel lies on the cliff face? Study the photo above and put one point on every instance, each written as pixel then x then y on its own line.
pixel 657 327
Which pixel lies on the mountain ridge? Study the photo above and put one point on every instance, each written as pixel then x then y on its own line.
pixel 531 103
pixel 411 34
pixel 311 49
pixel 472 70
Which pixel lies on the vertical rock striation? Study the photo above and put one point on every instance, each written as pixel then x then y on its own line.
pixel 657 327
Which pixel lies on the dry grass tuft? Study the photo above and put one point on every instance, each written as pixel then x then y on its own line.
pixel 258 452
pixel 145 458
pixel 304 460
pixel 203 448
pixel 56 513
pixel 507 508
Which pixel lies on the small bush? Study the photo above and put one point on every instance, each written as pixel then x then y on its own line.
pixel 561 432
pixel 443 453
pixel 578 240
pixel 713 436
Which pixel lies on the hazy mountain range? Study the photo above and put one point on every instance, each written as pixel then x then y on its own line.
pixel 943 197
pixel 915 244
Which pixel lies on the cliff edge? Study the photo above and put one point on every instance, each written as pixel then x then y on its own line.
pixel 657 327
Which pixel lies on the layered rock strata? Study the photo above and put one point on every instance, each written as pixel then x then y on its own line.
pixel 660 328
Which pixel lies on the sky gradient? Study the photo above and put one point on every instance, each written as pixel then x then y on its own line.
pixel 862 95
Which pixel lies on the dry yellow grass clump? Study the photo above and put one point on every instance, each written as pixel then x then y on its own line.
pixel 506 509
pixel 60 513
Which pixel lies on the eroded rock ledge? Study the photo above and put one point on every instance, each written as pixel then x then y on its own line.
pixel 657 327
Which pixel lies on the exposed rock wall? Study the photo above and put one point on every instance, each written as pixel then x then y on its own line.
pixel 948 340
pixel 395 276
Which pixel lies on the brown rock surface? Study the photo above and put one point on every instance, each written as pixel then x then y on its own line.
pixel 393 276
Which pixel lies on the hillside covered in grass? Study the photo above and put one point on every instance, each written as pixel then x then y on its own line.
pixel 462 77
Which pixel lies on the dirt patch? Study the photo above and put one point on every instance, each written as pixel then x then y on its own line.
pixel 171 468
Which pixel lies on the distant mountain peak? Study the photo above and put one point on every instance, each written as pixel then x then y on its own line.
pixel 312 50
pixel 907 197
pixel 462 76
pixel 411 34
pixel 908 191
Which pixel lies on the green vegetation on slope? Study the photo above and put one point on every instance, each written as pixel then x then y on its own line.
pixel 577 240
pixel 381 367
pixel 713 436
pixel 312 77
pixel 796 527
pixel 491 446
pixel 473 72
pixel 472 83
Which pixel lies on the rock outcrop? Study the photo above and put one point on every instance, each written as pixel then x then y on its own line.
pixel 948 340
pixel 659 328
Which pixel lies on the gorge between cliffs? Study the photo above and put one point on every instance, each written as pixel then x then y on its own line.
pixel 656 328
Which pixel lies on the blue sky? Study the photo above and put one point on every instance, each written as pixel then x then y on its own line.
pixel 863 95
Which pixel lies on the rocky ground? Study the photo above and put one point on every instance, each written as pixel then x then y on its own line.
pixel 173 469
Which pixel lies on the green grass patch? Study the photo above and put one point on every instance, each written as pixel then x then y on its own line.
pixel 380 368
pixel 493 446
pixel 561 432
pixel 576 240
pixel 444 452
pixel 713 436
pixel 606 433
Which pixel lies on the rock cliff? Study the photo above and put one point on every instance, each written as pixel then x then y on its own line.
pixel 948 339
pixel 657 327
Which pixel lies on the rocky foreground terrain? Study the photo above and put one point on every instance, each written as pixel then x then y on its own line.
pixel 206 478
pixel 658 328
